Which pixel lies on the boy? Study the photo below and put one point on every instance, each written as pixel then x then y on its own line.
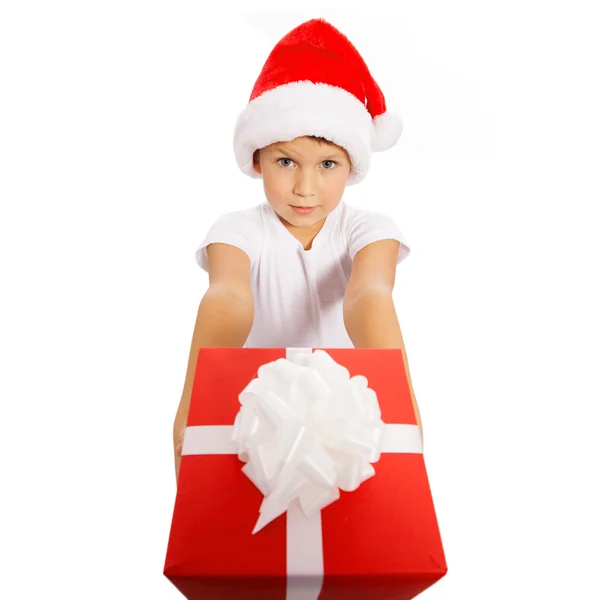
pixel 303 269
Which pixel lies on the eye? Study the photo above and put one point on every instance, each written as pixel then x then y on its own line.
pixel 288 164
pixel 332 163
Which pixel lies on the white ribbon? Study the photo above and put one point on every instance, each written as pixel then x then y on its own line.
pixel 305 430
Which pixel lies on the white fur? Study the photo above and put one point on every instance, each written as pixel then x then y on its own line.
pixel 306 108
pixel 387 130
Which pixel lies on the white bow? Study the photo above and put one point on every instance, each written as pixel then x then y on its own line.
pixel 306 430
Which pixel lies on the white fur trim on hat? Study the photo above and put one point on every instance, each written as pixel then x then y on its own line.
pixel 303 108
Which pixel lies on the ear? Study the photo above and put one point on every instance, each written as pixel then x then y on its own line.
pixel 256 163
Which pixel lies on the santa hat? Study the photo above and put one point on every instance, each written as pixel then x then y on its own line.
pixel 316 83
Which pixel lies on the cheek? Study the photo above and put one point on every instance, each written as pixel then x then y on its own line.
pixel 334 186
pixel 275 187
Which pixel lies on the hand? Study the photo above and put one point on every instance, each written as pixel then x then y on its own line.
pixel 179 445
pixel 178 448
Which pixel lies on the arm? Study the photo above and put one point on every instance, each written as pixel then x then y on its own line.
pixel 224 320
pixel 369 314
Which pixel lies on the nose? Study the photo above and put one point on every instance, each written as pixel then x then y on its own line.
pixel 304 185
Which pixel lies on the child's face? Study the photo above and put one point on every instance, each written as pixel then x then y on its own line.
pixel 303 173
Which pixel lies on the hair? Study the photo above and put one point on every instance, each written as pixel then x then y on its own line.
pixel 320 140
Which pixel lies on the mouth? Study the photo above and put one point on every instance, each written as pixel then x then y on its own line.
pixel 303 210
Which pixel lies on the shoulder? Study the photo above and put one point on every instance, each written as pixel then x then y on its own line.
pixel 243 229
pixel 356 219
pixel 363 227
pixel 246 219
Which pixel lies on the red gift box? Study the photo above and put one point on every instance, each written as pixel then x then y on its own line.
pixel 378 542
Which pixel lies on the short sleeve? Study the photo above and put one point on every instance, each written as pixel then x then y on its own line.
pixel 366 227
pixel 239 229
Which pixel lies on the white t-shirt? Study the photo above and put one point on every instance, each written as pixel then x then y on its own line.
pixel 298 294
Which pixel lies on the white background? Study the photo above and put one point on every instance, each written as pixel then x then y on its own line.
pixel 116 124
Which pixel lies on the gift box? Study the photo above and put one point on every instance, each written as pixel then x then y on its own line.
pixel 379 541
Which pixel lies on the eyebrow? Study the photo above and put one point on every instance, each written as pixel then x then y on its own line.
pixel 333 154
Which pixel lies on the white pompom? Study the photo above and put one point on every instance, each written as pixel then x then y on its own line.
pixel 387 128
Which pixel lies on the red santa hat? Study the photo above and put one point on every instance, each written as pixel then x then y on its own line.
pixel 316 83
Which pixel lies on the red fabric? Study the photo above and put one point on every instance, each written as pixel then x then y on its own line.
pixel 316 51
pixel 380 542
